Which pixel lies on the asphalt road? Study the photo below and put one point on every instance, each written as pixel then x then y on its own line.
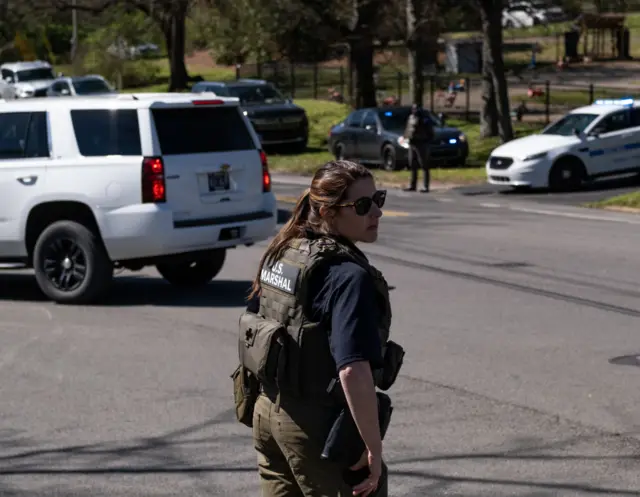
pixel 514 318
pixel 593 192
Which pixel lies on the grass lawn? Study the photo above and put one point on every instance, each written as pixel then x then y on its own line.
pixel 324 114
pixel 626 202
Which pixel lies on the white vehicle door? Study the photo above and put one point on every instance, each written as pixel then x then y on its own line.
pixel 609 149
pixel 24 156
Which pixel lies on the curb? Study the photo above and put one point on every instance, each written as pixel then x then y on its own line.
pixel 291 179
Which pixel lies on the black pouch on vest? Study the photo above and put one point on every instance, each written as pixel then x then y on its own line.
pixel 262 347
pixel 246 389
pixel 344 445
pixel 393 359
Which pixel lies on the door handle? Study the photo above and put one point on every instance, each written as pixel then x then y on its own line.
pixel 28 180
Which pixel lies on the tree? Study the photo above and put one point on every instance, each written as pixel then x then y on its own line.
pixel 493 68
pixel 422 42
pixel 170 15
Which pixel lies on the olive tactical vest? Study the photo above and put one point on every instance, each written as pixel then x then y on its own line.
pixel 310 365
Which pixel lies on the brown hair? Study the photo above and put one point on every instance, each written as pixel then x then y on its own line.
pixel 328 188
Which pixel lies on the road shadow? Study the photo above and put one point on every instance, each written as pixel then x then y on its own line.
pixel 607 185
pixel 132 290
pixel 192 451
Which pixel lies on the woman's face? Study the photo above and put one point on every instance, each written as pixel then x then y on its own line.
pixel 357 216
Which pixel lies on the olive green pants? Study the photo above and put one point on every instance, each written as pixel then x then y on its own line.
pixel 289 442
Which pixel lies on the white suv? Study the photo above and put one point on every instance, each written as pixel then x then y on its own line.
pixel 91 184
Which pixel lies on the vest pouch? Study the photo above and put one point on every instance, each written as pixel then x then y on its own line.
pixel 393 359
pixel 262 348
pixel 246 390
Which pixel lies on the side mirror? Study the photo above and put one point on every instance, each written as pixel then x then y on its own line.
pixel 597 131
pixel 577 132
pixel 65 92
pixel 442 118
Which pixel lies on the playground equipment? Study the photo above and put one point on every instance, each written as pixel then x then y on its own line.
pixel 603 36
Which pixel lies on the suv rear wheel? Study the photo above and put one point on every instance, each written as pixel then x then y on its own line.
pixel 194 273
pixel 71 265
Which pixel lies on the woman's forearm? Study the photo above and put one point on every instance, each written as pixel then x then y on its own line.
pixel 360 392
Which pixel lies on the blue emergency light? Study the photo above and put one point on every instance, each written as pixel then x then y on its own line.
pixel 388 113
pixel 453 141
pixel 626 102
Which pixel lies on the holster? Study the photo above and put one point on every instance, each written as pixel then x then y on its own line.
pixel 393 360
pixel 344 445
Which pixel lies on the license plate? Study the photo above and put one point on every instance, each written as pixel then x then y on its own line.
pixel 219 181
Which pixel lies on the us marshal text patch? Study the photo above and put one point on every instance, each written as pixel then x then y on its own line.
pixel 282 276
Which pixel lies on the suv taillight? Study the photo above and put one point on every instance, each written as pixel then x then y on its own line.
pixel 266 177
pixel 153 185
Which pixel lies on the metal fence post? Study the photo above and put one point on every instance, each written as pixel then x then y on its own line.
pixel 467 90
pixel 315 80
pixel 547 102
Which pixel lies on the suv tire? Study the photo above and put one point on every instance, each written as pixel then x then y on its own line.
pixel 194 273
pixel 71 265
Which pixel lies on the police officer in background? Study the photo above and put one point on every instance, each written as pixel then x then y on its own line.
pixel 314 282
pixel 419 132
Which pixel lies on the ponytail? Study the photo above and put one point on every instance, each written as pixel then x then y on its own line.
pixel 293 229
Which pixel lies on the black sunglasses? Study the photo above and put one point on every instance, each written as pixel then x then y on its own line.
pixel 363 205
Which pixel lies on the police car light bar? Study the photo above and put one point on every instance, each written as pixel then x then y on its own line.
pixel 615 101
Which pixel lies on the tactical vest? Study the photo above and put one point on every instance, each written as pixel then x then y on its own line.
pixel 305 366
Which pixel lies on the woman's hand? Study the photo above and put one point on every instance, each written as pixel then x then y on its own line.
pixel 374 462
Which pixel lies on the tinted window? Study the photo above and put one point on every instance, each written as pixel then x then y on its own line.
pixel 35 74
pixel 396 120
pixel 37 136
pixel 23 135
pixel 89 86
pixel 566 125
pixel 201 130
pixel 355 119
pixel 615 122
pixel 107 132
pixel 6 74
pixel 370 120
pixel 255 93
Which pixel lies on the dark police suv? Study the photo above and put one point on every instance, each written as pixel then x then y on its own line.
pixel 276 119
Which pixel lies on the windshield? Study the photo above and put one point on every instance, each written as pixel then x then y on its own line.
pixel 396 120
pixel 89 86
pixel 35 74
pixel 256 94
pixel 569 123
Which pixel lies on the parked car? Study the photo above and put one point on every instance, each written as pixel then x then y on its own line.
pixel 80 86
pixel 276 119
pixel 373 136
pixel 525 14
pixel 89 185
pixel 25 79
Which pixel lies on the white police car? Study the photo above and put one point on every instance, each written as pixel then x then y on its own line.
pixel 602 139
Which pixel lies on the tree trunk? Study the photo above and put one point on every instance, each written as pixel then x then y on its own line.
pixel 490 13
pixel 175 33
pixel 489 110
pixel 362 51
pixel 415 45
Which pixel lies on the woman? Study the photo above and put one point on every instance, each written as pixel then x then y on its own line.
pixel 329 282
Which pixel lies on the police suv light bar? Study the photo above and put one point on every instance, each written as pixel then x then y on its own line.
pixel 615 101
